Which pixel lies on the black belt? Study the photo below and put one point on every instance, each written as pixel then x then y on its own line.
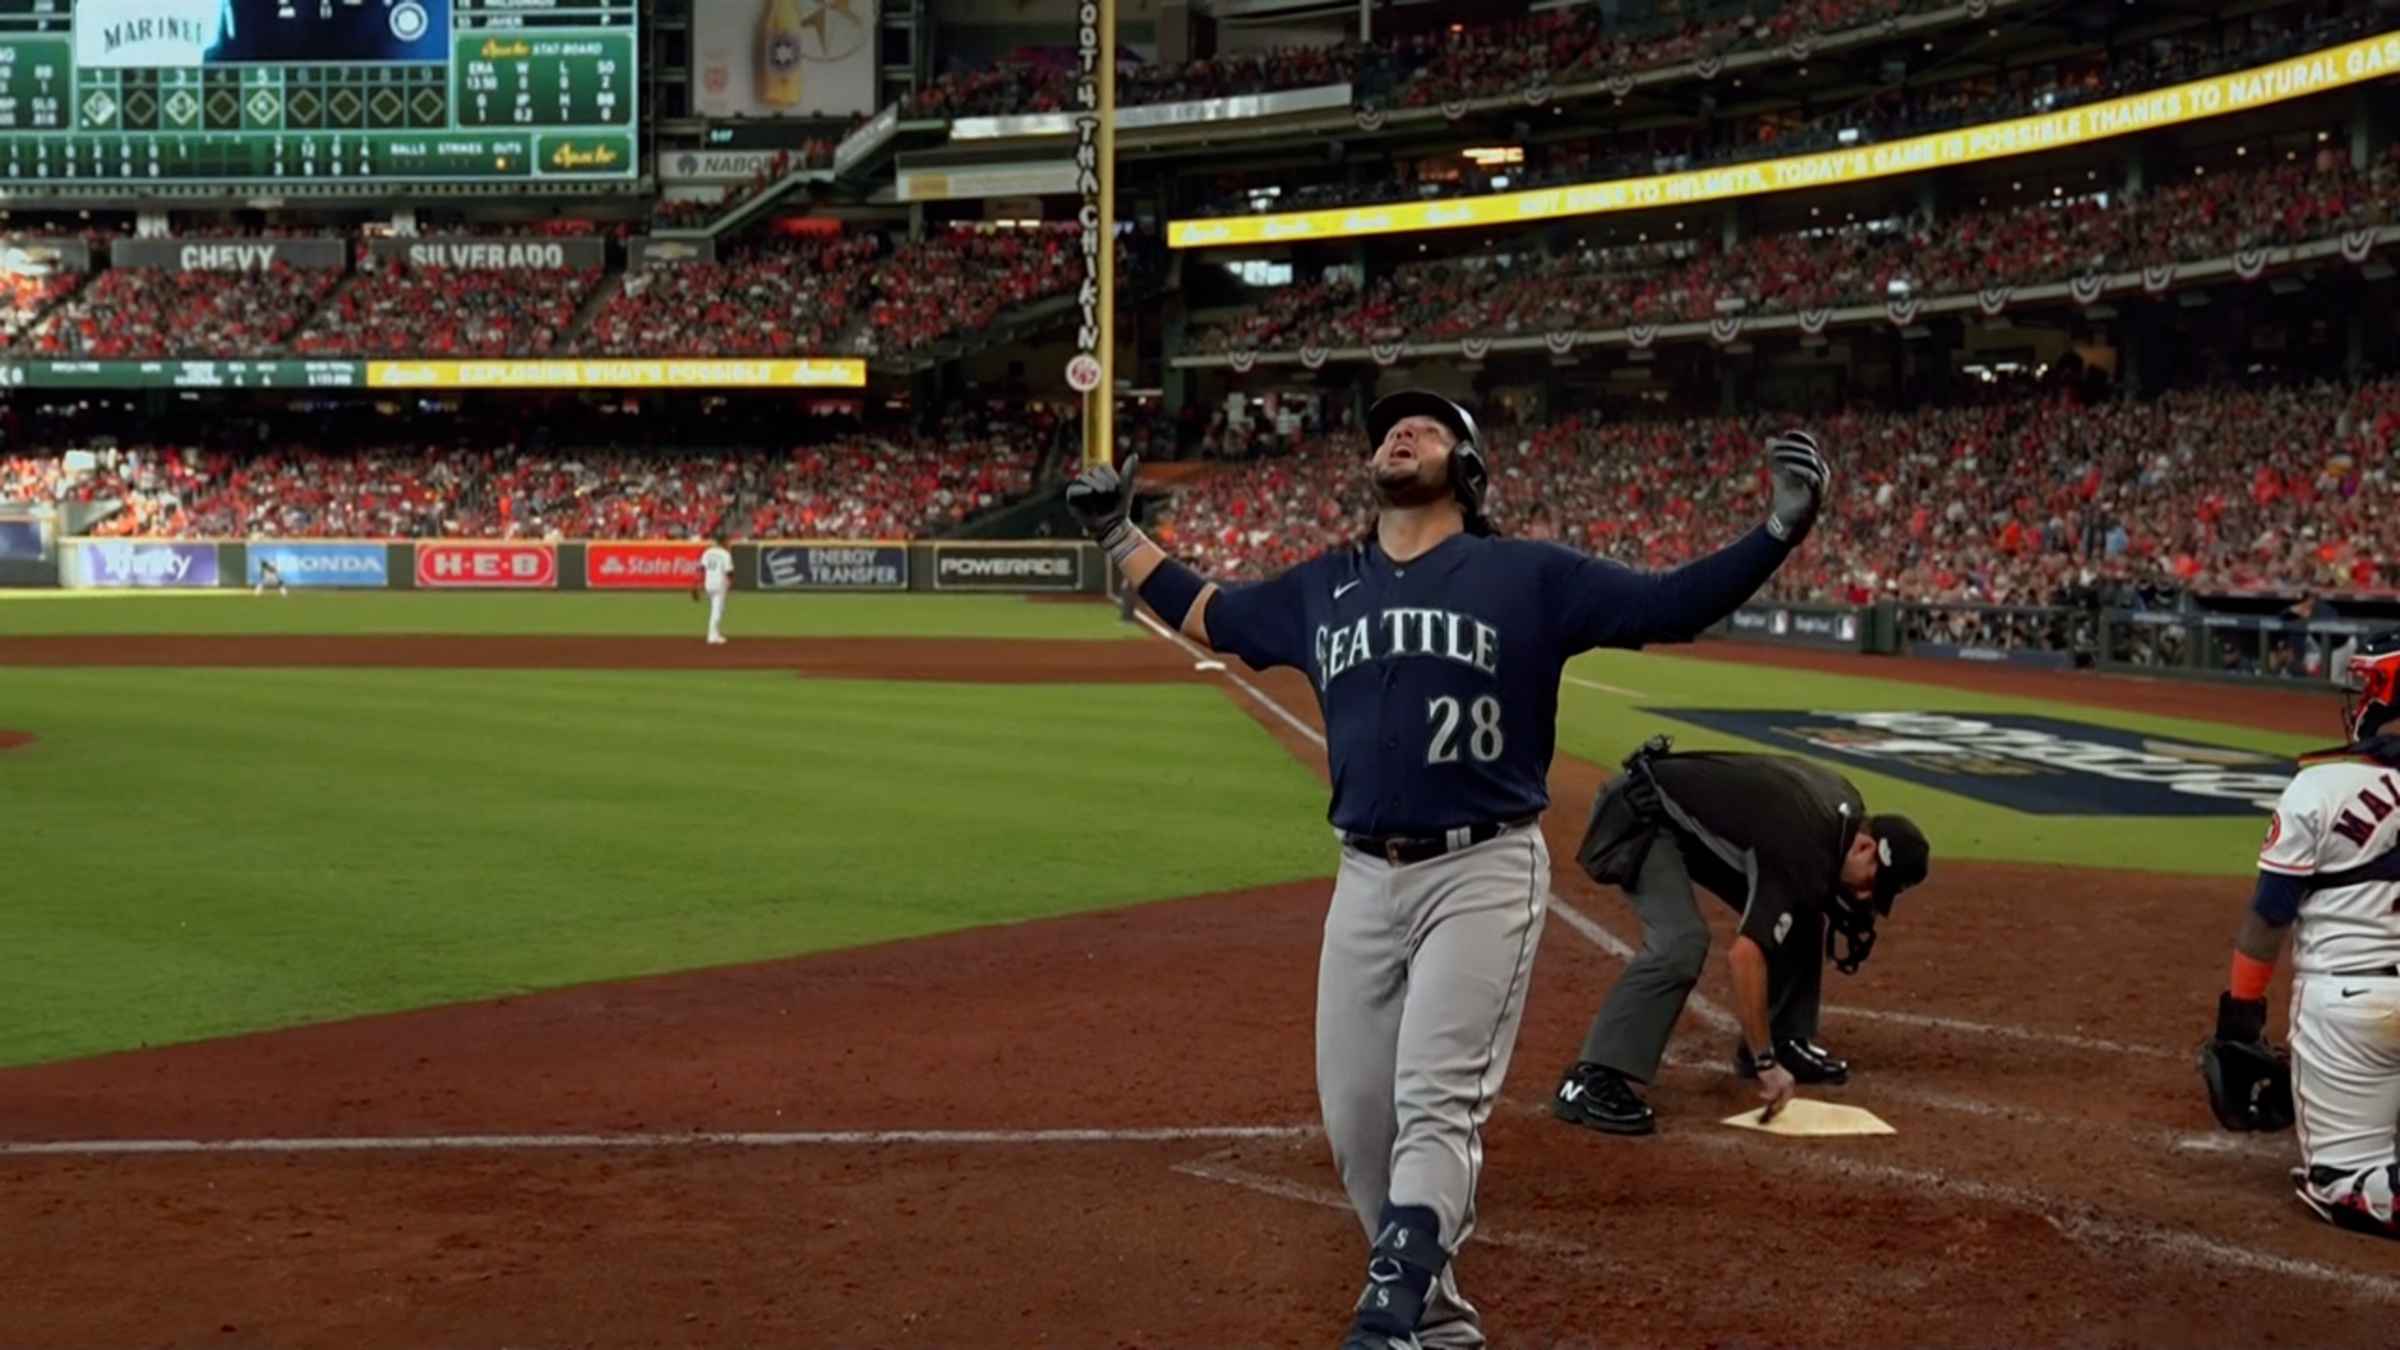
pixel 1398 849
pixel 2370 973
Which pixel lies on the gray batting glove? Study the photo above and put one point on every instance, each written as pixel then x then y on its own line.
pixel 1800 474
pixel 1102 498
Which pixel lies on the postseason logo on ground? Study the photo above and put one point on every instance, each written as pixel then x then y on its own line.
pixel 2038 765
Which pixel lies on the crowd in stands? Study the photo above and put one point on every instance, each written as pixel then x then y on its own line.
pixel 2188 218
pixel 782 297
pixel 1419 69
pixel 1891 112
pixel 23 300
pixel 837 479
pixel 958 280
pixel 393 309
pixel 138 312
pixel 2025 501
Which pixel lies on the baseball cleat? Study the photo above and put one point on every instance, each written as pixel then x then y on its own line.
pixel 1806 1061
pixel 1599 1098
pixel 2353 1212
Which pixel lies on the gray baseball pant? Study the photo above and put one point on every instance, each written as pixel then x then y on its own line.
pixel 1420 989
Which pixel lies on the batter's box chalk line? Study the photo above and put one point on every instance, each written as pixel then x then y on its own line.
pixel 685 1139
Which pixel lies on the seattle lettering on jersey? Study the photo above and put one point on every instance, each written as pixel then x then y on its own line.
pixel 2357 830
pixel 1405 631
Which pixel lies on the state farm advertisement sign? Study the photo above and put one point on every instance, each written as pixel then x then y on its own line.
pixel 453 565
pixel 617 567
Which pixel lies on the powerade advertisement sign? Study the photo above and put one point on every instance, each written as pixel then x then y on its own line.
pixel 2043 766
pixel 121 563
pixel 1008 567
pixel 354 565
pixel 833 567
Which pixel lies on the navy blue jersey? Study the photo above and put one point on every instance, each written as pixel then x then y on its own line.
pixel 1438 677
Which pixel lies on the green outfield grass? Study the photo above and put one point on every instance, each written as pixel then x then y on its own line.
pixel 750 614
pixel 1606 726
pixel 194 853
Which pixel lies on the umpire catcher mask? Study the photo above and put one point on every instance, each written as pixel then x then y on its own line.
pixel 1902 859
pixel 1468 475
pixel 2371 685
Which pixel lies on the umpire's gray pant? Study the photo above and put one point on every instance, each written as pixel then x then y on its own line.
pixel 1630 1034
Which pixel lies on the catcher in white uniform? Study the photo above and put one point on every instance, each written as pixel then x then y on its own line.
pixel 2330 872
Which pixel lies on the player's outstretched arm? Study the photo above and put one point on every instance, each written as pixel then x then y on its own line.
pixel 1609 605
pixel 1102 499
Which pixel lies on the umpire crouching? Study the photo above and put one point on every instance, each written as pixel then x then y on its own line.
pixel 1783 840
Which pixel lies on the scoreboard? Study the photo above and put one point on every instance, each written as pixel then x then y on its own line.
pixel 317 96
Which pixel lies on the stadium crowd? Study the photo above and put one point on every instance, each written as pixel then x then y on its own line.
pixel 836 480
pixel 2188 218
pixel 1422 69
pixel 960 279
pixel 2023 501
pixel 781 297
pixel 393 309
pixel 138 312
pixel 1891 111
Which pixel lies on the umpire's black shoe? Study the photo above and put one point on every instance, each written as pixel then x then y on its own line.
pixel 1599 1098
pixel 1807 1061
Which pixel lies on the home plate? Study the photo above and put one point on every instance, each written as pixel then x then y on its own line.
pixel 1811 1119
pixel 1208 665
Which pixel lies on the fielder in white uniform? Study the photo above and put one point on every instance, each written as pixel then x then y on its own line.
pixel 716 577
pixel 2330 873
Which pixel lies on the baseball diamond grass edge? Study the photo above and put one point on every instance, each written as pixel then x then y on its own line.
pixel 1605 725
pixel 198 853
pixel 668 614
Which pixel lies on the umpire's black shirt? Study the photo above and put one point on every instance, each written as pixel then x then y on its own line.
pixel 1771 831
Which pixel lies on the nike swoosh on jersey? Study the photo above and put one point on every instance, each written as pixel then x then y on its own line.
pixel 1343 589
pixel 2352 993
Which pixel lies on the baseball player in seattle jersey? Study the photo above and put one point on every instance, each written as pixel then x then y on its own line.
pixel 1435 650
pixel 2330 874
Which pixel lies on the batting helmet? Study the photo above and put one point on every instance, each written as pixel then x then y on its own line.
pixel 2371 685
pixel 1468 474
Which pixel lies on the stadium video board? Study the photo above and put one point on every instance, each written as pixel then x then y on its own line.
pixel 295 95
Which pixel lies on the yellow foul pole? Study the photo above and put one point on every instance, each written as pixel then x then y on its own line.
pixel 1092 371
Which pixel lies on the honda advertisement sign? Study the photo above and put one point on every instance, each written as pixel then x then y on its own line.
pixel 474 564
pixel 833 567
pixel 651 567
pixel 118 563
pixel 1008 567
pixel 311 564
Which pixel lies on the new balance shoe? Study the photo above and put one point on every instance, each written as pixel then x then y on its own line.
pixel 1599 1098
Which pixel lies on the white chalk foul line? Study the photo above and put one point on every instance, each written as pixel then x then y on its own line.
pixel 2006 1032
pixel 692 1139
pixel 2084 1227
pixel 1617 689
pixel 1708 1010
pixel 2158 1137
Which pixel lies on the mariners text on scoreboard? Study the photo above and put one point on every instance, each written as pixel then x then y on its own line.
pixel 323 94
